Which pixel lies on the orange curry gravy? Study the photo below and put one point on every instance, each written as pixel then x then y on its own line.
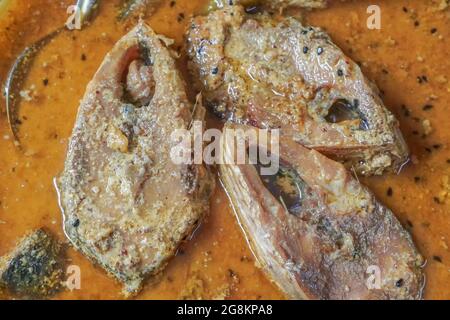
pixel 407 58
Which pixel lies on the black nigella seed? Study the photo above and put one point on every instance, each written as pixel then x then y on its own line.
pixel 410 224
pixel 76 223
pixel 437 258
pixel 45 82
pixel 427 107
pixel 390 192
pixel 319 50
pixel 340 73
pixel 83 57
pixel 433 30
pixel 406 111
pixel 215 70
pixel 305 50
pixel 399 283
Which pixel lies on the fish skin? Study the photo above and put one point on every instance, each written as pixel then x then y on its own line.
pixel 277 73
pixel 126 205
pixel 323 250
pixel 35 267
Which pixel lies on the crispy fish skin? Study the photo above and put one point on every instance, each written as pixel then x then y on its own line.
pixel 325 246
pixel 126 205
pixel 34 269
pixel 256 70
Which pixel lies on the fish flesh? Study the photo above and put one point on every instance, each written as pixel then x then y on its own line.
pixel 35 268
pixel 315 230
pixel 274 72
pixel 126 205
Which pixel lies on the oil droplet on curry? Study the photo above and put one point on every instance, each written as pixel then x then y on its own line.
pixel 407 58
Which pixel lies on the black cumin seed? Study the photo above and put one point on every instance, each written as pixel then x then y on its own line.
pixel 399 283
pixel 437 258
pixel 406 111
pixel 83 57
pixel 319 50
pixel 45 82
pixel 433 30
pixel 436 199
pixel 427 107
pixel 215 70
pixel 305 50
pixel 173 3
pixel 416 23
pixel 417 179
pixel 405 9
pixel 390 192
pixel 409 223
pixel 76 223
pixel 340 73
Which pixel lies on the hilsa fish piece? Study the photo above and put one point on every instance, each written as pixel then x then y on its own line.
pixel 126 205
pixel 34 269
pixel 276 73
pixel 315 230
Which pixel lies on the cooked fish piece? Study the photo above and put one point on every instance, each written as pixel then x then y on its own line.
pixel 126 204
pixel 315 230
pixel 275 3
pixel 256 70
pixel 34 269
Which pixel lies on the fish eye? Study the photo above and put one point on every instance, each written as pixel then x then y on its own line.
pixel 343 110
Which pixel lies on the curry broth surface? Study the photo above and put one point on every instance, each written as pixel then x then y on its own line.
pixel 407 58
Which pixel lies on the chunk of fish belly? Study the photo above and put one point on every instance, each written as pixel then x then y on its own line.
pixel 315 230
pixel 126 205
pixel 271 73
